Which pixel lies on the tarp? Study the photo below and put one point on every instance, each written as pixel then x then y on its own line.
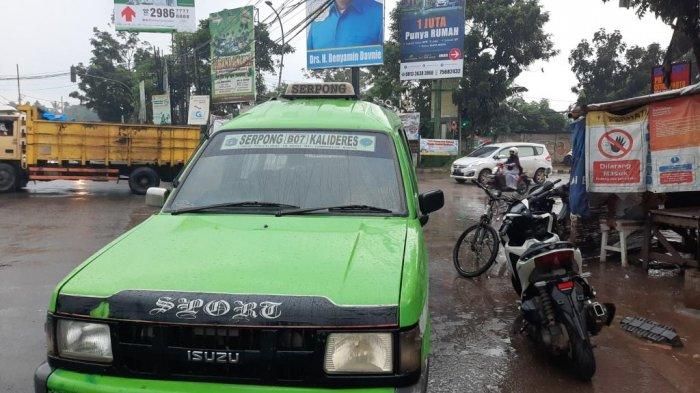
pixel 578 199
pixel 674 141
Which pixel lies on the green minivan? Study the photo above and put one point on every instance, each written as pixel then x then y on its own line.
pixel 288 257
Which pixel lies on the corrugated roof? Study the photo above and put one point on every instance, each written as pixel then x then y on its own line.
pixel 634 102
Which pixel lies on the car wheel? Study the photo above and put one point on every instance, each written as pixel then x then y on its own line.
pixel 540 176
pixel 483 176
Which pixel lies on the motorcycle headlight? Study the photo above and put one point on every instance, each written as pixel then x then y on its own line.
pixel 84 341
pixel 359 353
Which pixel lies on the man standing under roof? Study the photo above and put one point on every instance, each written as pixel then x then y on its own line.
pixel 348 23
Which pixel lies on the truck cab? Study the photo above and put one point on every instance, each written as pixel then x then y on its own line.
pixel 12 134
pixel 288 257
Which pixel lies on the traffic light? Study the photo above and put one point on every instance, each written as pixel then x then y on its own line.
pixel 73 76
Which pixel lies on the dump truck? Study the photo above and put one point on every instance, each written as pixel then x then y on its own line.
pixel 32 149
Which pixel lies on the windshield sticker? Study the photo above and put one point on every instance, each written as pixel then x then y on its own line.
pixel 301 140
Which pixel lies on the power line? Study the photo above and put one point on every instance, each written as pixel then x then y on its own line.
pixel 39 76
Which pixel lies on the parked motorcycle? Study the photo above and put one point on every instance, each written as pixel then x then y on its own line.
pixel 557 304
pixel 562 219
pixel 497 181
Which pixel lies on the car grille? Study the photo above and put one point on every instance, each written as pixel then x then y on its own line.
pixel 265 355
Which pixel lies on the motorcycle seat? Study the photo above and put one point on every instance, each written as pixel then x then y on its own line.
pixel 540 248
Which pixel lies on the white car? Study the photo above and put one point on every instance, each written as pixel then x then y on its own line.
pixel 534 158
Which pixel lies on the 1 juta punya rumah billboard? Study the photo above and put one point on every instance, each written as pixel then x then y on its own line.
pixel 431 37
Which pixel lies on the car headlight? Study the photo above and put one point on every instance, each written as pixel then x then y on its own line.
pixel 84 341
pixel 359 353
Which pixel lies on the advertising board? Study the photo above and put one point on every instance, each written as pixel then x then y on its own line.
pixel 348 33
pixel 159 16
pixel 233 55
pixel 616 151
pixel 431 37
pixel 674 142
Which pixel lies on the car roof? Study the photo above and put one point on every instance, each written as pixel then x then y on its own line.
pixel 508 144
pixel 316 113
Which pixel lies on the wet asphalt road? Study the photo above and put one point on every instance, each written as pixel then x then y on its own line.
pixel 49 229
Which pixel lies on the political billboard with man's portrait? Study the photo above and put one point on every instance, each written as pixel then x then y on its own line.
pixel 431 37
pixel 344 33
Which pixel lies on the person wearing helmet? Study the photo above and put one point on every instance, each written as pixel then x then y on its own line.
pixel 513 169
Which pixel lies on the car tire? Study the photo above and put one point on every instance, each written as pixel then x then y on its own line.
pixel 142 178
pixel 9 178
pixel 540 176
pixel 482 176
pixel 460 181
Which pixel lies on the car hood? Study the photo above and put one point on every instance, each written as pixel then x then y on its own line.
pixel 470 161
pixel 242 259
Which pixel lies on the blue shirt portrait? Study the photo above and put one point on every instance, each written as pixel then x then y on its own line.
pixel 360 24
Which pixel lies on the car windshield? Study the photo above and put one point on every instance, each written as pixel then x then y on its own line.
pixel 305 169
pixel 483 152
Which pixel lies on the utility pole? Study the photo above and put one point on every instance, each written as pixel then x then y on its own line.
pixel 19 93
pixel 355 78
pixel 279 82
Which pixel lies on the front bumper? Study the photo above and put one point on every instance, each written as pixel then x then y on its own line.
pixel 62 381
pixel 463 174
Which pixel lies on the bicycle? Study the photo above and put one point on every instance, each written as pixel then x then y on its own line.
pixel 480 241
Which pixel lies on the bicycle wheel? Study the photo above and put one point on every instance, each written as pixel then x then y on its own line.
pixel 475 250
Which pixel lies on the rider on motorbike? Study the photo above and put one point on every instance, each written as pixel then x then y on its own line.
pixel 513 169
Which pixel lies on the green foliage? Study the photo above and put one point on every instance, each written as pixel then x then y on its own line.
pixel 684 15
pixel 516 115
pixel 607 69
pixel 109 82
pixel 504 38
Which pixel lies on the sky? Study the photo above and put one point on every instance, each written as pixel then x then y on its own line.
pixel 47 36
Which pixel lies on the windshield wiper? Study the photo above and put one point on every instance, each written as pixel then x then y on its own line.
pixel 230 205
pixel 349 208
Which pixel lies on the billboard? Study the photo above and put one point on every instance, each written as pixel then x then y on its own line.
pixel 431 37
pixel 161 109
pixel 232 55
pixel 347 33
pixel 616 151
pixel 411 125
pixel 674 141
pixel 680 77
pixel 198 112
pixel 160 16
pixel 439 147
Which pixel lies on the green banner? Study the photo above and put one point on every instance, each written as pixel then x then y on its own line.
pixel 232 55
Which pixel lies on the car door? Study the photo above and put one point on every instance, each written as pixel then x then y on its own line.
pixel 527 159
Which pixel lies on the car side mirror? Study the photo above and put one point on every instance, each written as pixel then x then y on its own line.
pixel 431 201
pixel 156 196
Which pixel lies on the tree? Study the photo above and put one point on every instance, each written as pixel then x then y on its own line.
pixel 504 38
pixel 607 69
pixel 515 115
pixel 683 15
pixel 108 81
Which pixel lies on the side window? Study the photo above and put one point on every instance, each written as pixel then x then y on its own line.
pixel 503 153
pixel 539 150
pixel 526 151
pixel 6 127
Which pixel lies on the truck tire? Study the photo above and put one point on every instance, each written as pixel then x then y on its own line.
pixel 142 178
pixel 8 177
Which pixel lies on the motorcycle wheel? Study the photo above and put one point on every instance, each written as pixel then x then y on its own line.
pixel 475 250
pixel 522 187
pixel 582 358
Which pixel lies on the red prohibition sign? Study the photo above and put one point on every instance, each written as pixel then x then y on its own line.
pixel 455 54
pixel 617 139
